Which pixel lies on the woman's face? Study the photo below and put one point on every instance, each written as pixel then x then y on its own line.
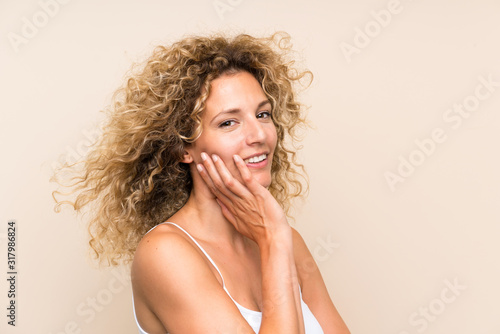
pixel 237 120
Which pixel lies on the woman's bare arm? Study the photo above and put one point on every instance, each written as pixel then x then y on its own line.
pixel 282 311
pixel 314 291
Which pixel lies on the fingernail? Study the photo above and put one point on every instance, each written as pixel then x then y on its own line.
pixel 214 157
pixel 236 158
pixel 204 156
pixel 199 167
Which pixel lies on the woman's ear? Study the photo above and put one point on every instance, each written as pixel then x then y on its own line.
pixel 187 158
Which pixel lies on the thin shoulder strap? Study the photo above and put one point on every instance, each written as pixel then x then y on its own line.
pixel 211 261
pixel 204 252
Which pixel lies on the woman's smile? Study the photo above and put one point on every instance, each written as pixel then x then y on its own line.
pixel 256 161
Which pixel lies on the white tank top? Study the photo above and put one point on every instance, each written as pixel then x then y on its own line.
pixel 254 318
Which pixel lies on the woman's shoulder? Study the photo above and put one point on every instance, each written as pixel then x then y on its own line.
pixel 167 265
pixel 172 280
pixel 163 240
pixel 165 250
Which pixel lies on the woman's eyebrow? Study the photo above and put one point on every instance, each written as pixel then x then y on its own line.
pixel 263 103
pixel 228 111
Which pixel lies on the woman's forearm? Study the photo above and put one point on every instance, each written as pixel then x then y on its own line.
pixel 282 312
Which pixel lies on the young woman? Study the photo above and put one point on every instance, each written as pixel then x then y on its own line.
pixel 192 180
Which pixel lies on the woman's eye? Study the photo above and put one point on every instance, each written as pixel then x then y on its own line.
pixel 264 114
pixel 225 124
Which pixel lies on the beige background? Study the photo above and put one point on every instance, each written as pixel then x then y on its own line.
pixel 388 254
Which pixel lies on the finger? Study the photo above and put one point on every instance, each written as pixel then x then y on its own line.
pixel 229 180
pixel 225 211
pixel 205 177
pixel 211 171
pixel 215 177
pixel 209 182
pixel 222 200
pixel 246 175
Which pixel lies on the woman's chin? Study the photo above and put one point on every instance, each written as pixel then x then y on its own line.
pixel 264 181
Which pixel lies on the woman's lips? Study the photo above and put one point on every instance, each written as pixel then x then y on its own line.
pixel 257 161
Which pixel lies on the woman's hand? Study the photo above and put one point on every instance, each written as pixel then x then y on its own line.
pixel 256 214
pixel 247 205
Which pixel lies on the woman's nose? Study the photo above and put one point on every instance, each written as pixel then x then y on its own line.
pixel 255 132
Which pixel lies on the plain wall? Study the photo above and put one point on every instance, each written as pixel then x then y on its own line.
pixel 402 215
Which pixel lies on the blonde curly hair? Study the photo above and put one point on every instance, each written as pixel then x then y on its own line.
pixel 133 178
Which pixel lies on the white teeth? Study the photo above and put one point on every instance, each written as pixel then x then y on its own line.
pixel 256 159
